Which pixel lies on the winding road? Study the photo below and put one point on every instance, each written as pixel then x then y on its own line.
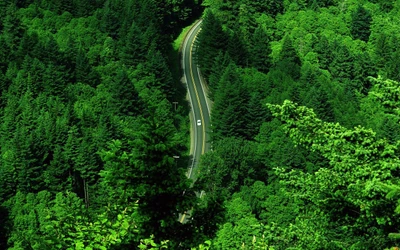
pixel 200 108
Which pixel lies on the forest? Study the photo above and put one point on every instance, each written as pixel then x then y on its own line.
pixel 305 113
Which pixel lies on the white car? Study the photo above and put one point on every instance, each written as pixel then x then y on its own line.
pixel 198 122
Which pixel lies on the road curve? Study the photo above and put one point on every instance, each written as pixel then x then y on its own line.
pixel 198 101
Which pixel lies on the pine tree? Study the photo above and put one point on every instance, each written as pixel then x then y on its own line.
pixel 342 65
pixel 220 64
pixel 111 17
pixel 156 66
pixel 133 51
pixel 12 29
pixel 126 96
pixel 360 24
pixel 323 48
pixel 260 50
pixel 83 70
pixel 4 55
pixel 382 50
pixel 393 64
pixel 237 49
pixel 210 41
pixel 289 61
pixel 229 109
pixel 256 114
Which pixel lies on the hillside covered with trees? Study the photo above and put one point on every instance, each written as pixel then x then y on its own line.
pixel 305 123
pixel 305 114
pixel 88 126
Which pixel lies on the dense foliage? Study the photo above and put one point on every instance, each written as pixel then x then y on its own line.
pixel 318 167
pixel 88 126
pixel 305 115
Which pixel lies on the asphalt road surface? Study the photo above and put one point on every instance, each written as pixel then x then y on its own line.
pixel 198 101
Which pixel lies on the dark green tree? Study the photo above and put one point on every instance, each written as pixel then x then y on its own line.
pixel 84 72
pixel 342 65
pixel 125 95
pixel 210 41
pixel 382 50
pixel 259 50
pixel 323 48
pixel 220 64
pixel 289 61
pixel 360 24
pixel 13 30
pixel 156 66
pixel 237 49
pixel 256 114
pixel 229 109
pixel 133 49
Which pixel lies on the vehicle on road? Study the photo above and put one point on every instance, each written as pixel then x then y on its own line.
pixel 198 122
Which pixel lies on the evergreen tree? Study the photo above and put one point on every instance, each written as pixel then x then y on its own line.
pixel 220 64
pixel 382 50
pixel 393 65
pixel 83 70
pixel 133 51
pixel 156 66
pixel 363 68
pixel 237 49
pixel 260 50
pixel 210 41
pixel 256 115
pixel 125 95
pixel 342 65
pixel 229 109
pixel 323 48
pixel 289 61
pixel 111 17
pixel 12 29
pixel 360 24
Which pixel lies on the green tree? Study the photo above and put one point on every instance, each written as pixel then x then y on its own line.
pixel 342 65
pixel 43 222
pixel 133 50
pixel 84 72
pixel 260 50
pixel 210 41
pixel 289 61
pixel 360 24
pixel 237 49
pixel 220 64
pixel 229 109
pixel 346 192
pixel 12 29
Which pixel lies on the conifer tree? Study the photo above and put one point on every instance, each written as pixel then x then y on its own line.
pixel 229 109
pixel 256 114
pixel 289 61
pixel 84 72
pixel 126 96
pixel 220 64
pixel 237 49
pixel 323 48
pixel 210 41
pixel 260 50
pixel 12 29
pixel 133 51
pixel 360 24
pixel 382 50
pixel 156 66
pixel 342 65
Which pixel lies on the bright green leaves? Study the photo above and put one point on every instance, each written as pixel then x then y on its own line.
pixel 41 222
pixel 358 163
